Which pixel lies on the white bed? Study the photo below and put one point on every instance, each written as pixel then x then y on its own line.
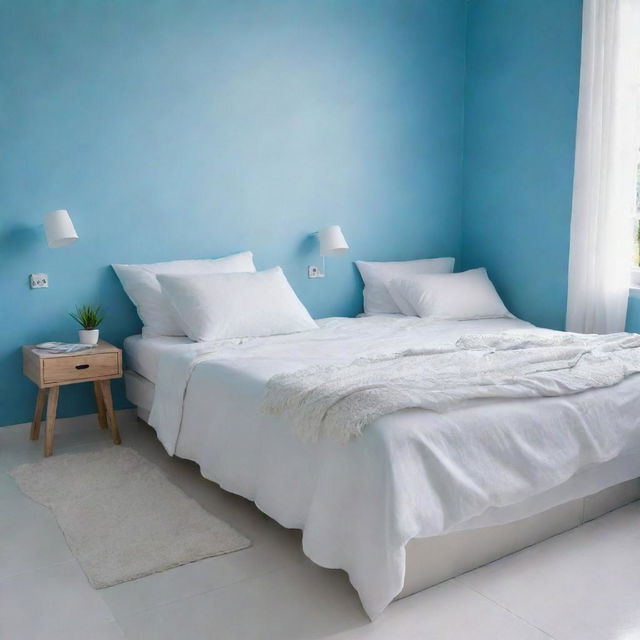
pixel 450 490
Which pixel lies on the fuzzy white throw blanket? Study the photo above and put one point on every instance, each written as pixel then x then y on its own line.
pixel 337 402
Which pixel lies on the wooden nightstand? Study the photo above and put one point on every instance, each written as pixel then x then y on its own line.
pixel 50 371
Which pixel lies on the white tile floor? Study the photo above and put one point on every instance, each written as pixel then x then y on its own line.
pixel 584 584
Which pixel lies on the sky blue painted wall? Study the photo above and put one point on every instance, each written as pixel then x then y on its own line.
pixel 633 315
pixel 521 97
pixel 190 128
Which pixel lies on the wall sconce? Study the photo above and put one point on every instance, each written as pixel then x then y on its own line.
pixel 59 229
pixel 332 242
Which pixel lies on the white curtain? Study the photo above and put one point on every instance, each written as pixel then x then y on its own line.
pixel 604 179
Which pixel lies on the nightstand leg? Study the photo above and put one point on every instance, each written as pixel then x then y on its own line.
pixel 37 415
pixel 111 416
pixel 52 406
pixel 102 413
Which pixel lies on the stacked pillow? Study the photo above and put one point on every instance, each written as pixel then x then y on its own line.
pixel 377 275
pixel 429 289
pixel 213 299
pixel 469 295
pixel 141 285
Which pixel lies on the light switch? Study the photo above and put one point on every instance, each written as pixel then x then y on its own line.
pixel 38 280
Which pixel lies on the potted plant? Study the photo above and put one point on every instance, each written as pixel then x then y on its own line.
pixel 89 318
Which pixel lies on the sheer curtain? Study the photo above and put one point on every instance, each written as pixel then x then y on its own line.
pixel 605 165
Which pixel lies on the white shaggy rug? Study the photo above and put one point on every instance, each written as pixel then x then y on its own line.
pixel 121 516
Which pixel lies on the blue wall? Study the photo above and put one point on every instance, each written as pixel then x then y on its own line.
pixel 190 128
pixel 633 314
pixel 521 98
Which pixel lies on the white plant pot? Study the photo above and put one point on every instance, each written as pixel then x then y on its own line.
pixel 89 336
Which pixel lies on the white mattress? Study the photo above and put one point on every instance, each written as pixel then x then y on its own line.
pixel 142 355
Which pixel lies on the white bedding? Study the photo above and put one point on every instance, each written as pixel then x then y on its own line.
pixel 143 354
pixel 414 473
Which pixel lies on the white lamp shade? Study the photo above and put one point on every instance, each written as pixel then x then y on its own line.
pixel 332 241
pixel 59 229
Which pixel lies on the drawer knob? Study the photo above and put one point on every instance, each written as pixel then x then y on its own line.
pixel 82 366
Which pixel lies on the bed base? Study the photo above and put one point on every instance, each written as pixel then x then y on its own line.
pixel 439 558
pixel 433 560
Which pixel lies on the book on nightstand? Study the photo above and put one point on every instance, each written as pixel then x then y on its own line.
pixel 62 347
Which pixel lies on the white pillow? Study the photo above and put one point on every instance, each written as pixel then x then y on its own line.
pixel 469 295
pixel 141 285
pixel 405 308
pixel 376 275
pixel 236 305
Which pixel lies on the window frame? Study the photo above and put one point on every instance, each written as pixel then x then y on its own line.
pixel 634 279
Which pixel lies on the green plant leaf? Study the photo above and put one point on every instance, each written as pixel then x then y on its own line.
pixel 88 316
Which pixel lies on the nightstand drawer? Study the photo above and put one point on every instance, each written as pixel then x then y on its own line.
pixel 84 367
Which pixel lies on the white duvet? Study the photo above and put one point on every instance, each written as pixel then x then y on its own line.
pixel 412 473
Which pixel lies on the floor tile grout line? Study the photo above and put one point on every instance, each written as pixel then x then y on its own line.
pixel 201 593
pixel 66 449
pixel 41 567
pixel 503 607
pixel 118 625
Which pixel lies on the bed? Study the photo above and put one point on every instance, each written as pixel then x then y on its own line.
pixel 420 496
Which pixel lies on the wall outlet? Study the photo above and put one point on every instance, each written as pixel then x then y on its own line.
pixel 314 272
pixel 38 280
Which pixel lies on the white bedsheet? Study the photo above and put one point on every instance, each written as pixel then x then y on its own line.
pixel 411 474
pixel 142 355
